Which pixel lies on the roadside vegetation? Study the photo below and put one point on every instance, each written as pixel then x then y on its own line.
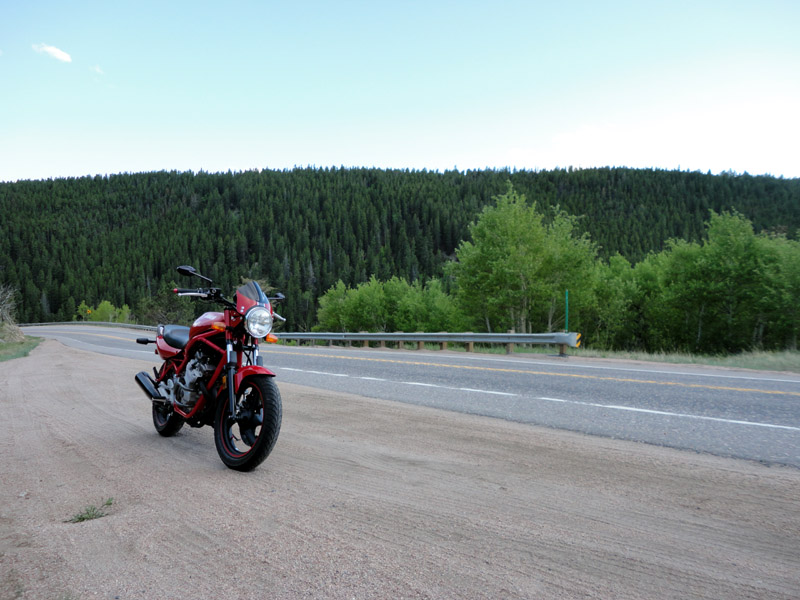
pixel 734 292
pixel 12 350
pixel 13 344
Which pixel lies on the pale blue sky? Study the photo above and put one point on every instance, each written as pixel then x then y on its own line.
pixel 108 87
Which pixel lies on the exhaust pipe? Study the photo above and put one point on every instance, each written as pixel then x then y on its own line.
pixel 149 386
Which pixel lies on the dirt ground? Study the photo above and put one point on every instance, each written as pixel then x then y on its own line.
pixel 366 499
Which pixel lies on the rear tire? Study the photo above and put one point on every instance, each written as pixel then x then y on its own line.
pixel 166 421
pixel 243 443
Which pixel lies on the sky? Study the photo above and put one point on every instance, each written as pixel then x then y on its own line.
pixel 99 88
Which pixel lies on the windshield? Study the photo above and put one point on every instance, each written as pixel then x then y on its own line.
pixel 253 291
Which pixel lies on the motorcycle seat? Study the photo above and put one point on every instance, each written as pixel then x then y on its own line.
pixel 176 336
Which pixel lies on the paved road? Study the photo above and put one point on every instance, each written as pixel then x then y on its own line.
pixel 735 413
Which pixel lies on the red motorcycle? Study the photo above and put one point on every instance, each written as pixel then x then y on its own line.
pixel 213 375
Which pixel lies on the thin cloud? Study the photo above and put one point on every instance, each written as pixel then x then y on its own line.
pixel 52 51
pixel 98 70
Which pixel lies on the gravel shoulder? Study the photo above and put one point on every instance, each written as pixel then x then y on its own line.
pixel 365 499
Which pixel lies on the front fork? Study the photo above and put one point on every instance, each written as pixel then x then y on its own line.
pixel 230 368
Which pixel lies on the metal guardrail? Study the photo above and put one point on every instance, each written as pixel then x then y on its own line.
pixel 560 339
pixel 571 339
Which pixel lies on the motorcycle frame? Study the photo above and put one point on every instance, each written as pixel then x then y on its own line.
pixel 229 369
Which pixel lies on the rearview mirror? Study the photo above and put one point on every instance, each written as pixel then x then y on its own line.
pixel 190 271
pixel 187 270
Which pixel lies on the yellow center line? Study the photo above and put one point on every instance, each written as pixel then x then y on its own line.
pixel 545 373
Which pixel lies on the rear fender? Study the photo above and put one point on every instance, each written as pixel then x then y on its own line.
pixel 247 372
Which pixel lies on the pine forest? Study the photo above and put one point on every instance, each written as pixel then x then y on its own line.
pixel 653 259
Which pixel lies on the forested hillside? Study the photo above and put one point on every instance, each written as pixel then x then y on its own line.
pixel 118 238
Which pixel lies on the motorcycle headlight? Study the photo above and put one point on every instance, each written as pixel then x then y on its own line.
pixel 258 321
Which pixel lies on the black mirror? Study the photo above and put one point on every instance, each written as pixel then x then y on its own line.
pixel 190 271
pixel 187 270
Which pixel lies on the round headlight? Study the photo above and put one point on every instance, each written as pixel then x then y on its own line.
pixel 258 321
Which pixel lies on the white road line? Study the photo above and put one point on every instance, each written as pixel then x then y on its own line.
pixel 563 401
pixel 670 414
pixel 484 391
pixel 330 374
pixel 416 383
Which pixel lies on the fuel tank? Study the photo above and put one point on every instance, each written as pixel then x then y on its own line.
pixel 204 322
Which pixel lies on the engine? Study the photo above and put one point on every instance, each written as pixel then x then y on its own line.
pixel 184 390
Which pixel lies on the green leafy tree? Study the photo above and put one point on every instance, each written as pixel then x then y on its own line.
pixel 734 268
pixel 496 272
pixel 611 321
pixel 331 312
pixel 719 296
pixel 784 290
pixel 124 314
pixel 394 305
pixel 516 269
pixel 439 311
pixel 366 307
pixel 569 264
pixel 105 312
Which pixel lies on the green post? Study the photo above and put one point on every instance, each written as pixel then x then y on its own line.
pixel 566 319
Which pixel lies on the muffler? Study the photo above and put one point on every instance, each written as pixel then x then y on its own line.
pixel 149 386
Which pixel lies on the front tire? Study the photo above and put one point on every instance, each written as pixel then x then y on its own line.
pixel 245 440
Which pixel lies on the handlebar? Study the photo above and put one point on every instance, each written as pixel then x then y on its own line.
pixel 199 293
pixel 205 294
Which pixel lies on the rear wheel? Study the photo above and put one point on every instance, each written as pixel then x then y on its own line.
pixel 166 421
pixel 245 439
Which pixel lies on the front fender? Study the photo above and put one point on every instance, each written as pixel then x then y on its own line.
pixel 247 371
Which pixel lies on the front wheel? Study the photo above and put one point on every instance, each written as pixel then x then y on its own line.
pixel 245 439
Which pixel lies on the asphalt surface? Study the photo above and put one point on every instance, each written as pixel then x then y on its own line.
pixel 726 412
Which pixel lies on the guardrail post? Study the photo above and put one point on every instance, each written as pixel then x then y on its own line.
pixel 510 345
pixel 469 346
pixel 562 349
pixel 443 345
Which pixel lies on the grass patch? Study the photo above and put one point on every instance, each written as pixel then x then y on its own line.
pixel 12 350
pixel 91 512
